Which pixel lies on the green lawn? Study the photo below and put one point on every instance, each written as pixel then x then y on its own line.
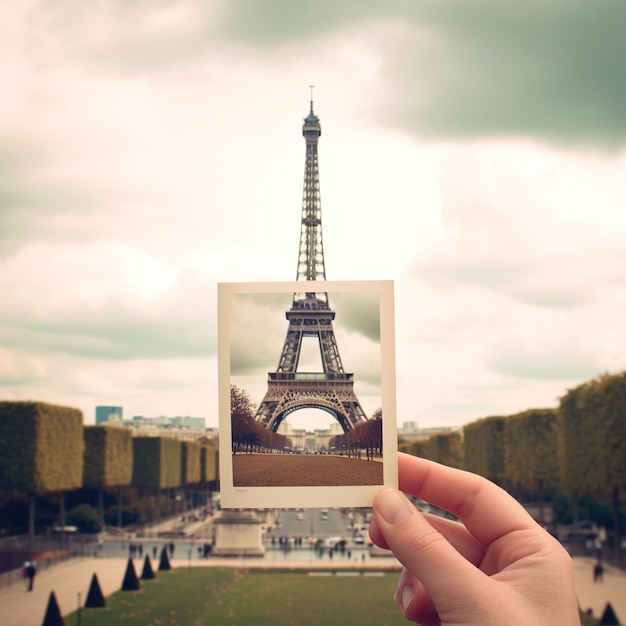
pixel 219 596
pixel 216 596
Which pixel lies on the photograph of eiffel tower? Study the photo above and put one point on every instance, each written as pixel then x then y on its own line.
pixel 263 454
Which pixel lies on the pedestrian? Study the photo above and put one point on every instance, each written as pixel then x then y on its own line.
pixel 598 573
pixel 31 570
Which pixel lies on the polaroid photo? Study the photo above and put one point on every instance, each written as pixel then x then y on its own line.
pixel 307 404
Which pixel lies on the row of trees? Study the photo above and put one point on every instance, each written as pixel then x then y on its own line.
pixel 578 447
pixel 248 434
pixel 366 436
pixel 46 449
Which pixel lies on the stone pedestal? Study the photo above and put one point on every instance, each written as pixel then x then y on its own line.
pixel 237 533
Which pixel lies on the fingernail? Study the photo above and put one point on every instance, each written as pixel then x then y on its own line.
pixel 393 506
pixel 408 593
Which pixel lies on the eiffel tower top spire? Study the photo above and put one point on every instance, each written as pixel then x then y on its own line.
pixel 311 253
pixel 288 388
pixel 312 118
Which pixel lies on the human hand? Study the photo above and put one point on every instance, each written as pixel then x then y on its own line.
pixel 498 568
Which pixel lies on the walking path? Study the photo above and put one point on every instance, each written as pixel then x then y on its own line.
pixel 67 580
pixel 22 608
pixel 596 595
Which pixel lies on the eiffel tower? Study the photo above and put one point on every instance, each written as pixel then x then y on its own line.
pixel 332 389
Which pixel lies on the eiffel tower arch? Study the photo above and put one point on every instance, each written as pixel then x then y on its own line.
pixel 310 315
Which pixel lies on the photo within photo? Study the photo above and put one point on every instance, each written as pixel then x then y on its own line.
pixel 307 397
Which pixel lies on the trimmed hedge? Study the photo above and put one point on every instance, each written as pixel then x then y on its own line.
pixel 156 463
pixel 446 448
pixel 209 462
pixel 592 440
pixel 484 448
pixel 532 460
pixel 592 420
pixel 41 447
pixel 416 448
pixel 108 456
pixel 190 462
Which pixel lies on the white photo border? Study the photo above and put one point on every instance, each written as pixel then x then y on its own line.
pixel 305 496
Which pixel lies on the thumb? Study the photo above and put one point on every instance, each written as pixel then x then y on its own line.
pixel 425 552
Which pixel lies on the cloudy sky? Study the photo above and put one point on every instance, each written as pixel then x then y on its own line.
pixel 473 151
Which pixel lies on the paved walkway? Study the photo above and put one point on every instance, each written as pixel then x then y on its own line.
pixel 19 607
pixel 67 580
pixel 596 595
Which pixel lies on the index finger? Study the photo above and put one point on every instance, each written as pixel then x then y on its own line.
pixel 487 511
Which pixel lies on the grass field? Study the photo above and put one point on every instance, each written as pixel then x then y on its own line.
pixel 303 470
pixel 203 596
pixel 206 595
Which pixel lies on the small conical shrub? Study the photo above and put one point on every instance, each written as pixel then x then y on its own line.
pixel 608 617
pixel 95 597
pixel 53 615
pixel 131 582
pixel 164 563
pixel 147 572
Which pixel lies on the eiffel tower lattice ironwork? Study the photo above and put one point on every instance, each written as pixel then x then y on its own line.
pixel 332 389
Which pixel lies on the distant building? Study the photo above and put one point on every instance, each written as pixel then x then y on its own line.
pixel 409 431
pixel 188 422
pixel 146 428
pixel 180 427
pixel 310 441
pixel 109 414
pixel 189 428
